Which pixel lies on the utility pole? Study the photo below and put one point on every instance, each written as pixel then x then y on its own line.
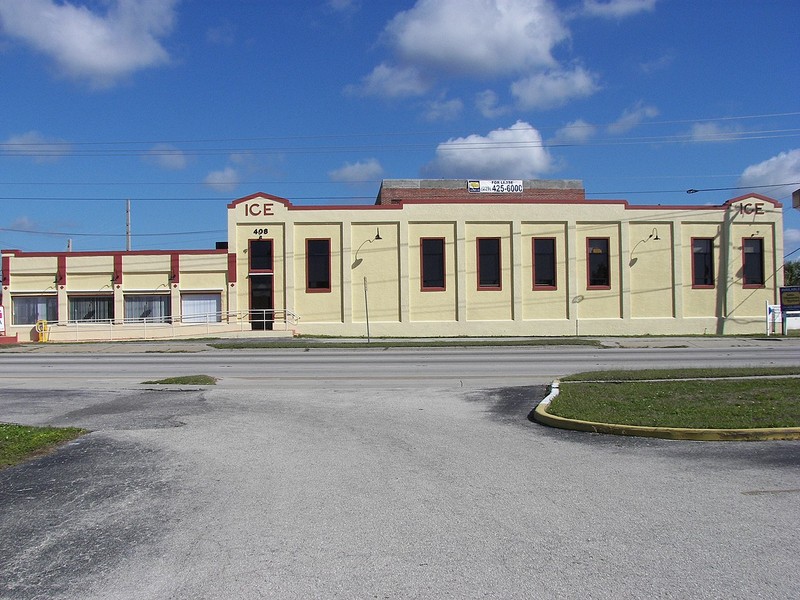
pixel 128 225
pixel 69 244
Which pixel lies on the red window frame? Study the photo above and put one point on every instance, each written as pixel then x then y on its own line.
pixel 492 287
pixel 589 253
pixel 318 290
pixel 422 263
pixel 554 285
pixel 762 280
pixel 703 286
pixel 271 258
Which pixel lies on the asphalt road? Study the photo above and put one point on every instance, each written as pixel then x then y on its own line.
pixel 321 368
pixel 393 474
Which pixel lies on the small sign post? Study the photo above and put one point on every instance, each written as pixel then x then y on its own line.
pixel 790 303
pixel 773 317
pixel 2 322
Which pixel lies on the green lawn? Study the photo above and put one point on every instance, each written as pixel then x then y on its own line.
pixel 186 380
pixel 18 442
pixel 680 373
pixel 401 343
pixel 706 404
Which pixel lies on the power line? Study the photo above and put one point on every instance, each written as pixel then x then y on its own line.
pixel 448 146
pixel 63 143
pixel 110 235
pixel 332 199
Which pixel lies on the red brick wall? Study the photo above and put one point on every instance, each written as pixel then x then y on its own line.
pixel 398 195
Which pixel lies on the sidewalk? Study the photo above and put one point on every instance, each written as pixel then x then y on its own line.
pixel 195 345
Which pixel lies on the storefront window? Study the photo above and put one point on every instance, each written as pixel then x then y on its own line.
pixel 29 309
pixel 147 308
pixel 93 309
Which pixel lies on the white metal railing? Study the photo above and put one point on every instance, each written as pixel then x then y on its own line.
pixel 156 327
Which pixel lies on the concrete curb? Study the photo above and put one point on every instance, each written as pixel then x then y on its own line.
pixel 541 415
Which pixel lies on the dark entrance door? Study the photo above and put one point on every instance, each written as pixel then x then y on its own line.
pixel 261 302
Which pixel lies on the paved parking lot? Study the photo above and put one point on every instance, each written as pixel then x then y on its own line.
pixel 382 491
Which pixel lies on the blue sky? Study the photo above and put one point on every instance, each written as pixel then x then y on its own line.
pixel 183 105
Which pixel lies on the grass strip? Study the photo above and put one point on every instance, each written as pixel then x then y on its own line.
pixel 185 380
pixel 718 404
pixel 19 442
pixel 694 373
pixel 410 343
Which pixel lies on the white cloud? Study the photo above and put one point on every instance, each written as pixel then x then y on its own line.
pixel 221 35
pixel 24 223
pixel 488 103
pixel 392 82
pixel 553 88
pixel 781 169
pixel 576 132
pixel 487 37
pixel 791 236
pixel 35 145
pixel 714 132
pixel 344 5
pixel 224 180
pixel 99 47
pixel 167 157
pixel 443 110
pixel 658 64
pixel 617 9
pixel 513 153
pixel 358 172
pixel 631 117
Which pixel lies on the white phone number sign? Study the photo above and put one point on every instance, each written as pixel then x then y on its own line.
pixel 495 186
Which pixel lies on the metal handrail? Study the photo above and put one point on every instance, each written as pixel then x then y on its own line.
pixel 281 318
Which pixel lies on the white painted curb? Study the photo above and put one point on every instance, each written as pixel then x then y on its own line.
pixel 551 396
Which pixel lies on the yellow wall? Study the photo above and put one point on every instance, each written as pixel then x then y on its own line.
pixel 92 273
pixel 699 302
pixel 488 304
pixel 318 306
pixel 379 263
pixel 749 301
pixel 33 274
pixel 432 305
pixel 598 303
pixel 542 303
pixel 651 270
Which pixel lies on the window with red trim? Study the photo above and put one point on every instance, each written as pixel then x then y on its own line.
pixel 318 265
pixel 598 263
pixel 432 264
pixel 753 262
pixel 544 263
pixel 489 266
pixel 261 256
pixel 703 262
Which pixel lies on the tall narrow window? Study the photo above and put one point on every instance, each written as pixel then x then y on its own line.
pixel 598 263
pixel 702 262
pixel 260 256
pixel 544 263
pixel 753 262
pixel 432 264
pixel 489 273
pixel 318 265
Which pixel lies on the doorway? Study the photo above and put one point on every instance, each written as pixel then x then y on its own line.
pixel 261 302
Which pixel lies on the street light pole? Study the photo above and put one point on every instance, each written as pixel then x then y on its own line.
pixel 366 307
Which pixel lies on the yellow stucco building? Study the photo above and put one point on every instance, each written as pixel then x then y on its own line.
pixel 429 258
